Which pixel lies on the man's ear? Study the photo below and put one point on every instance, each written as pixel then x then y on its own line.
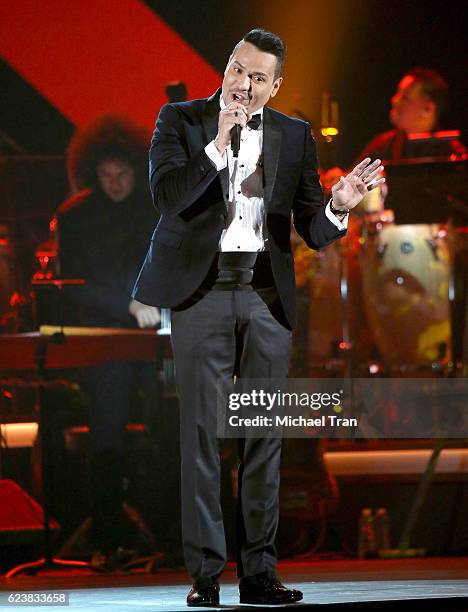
pixel 276 86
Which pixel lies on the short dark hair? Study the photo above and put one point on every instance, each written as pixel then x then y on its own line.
pixel 433 86
pixel 268 43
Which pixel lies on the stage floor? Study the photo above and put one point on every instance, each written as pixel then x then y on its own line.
pixel 424 584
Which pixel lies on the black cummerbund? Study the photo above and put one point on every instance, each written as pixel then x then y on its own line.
pixel 237 270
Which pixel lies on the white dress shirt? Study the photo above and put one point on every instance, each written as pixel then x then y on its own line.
pixel 246 211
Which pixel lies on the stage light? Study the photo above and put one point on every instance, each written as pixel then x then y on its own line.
pixel 18 435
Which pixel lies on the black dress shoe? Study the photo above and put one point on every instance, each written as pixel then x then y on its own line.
pixel 204 595
pixel 266 588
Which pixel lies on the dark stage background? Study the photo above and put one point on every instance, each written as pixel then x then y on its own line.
pixel 64 64
pixel 355 49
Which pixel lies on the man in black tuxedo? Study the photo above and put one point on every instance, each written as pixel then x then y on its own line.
pixel 220 257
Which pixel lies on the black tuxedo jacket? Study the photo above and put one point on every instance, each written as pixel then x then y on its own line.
pixel 192 197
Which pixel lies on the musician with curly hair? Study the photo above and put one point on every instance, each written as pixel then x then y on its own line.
pixel 103 231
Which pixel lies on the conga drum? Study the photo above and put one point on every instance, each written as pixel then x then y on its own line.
pixel 405 272
pixel 324 320
pixel 335 302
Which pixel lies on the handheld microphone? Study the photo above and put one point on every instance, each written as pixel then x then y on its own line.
pixel 235 140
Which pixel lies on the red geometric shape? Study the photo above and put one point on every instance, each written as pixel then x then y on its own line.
pixel 20 515
pixel 98 56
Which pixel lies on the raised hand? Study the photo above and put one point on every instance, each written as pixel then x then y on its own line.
pixel 350 189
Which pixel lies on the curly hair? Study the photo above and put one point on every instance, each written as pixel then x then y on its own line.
pixel 110 137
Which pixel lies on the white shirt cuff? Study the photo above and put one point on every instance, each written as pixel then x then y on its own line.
pixel 220 161
pixel 341 225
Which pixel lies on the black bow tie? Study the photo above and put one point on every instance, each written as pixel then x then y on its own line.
pixel 254 123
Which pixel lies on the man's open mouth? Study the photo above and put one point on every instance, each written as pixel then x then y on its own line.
pixel 238 97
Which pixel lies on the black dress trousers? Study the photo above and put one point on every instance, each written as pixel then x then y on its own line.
pixel 226 331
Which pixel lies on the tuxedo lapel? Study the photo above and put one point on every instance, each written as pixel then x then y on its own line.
pixel 271 149
pixel 210 125
pixel 210 116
